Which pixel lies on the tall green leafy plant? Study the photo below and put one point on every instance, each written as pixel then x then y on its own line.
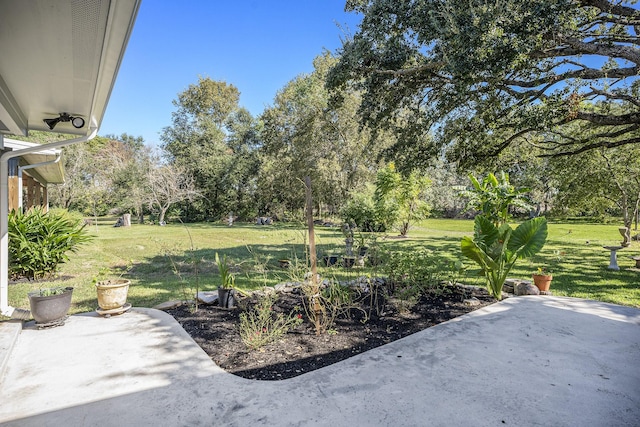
pixel 40 241
pixel 494 195
pixel 227 279
pixel 496 249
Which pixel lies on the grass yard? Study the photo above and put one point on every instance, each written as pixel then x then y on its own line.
pixel 165 259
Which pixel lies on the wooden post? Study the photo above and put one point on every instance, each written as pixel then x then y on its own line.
pixel 31 193
pixel 45 198
pixel 312 236
pixel 13 187
pixel 126 220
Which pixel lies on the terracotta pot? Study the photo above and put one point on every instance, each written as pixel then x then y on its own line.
pixel 112 294
pixel 542 281
pixel 52 308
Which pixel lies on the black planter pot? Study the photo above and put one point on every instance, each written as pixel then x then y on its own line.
pixel 330 260
pixel 50 310
pixel 348 261
pixel 284 263
pixel 226 298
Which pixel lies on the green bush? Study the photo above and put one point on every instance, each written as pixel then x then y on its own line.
pixel 39 241
pixel 411 274
pixel 419 268
pixel 361 209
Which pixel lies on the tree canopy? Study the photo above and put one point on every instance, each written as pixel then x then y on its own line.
pixel 485 75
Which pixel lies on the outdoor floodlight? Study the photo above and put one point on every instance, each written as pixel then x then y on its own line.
pixel 77 122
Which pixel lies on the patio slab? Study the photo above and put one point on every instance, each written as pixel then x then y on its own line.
pixel 524 361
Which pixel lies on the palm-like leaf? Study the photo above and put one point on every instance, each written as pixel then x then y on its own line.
pixel 472 251
pixel 529 237
pixel 485 232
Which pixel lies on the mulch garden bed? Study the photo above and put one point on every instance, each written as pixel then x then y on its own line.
pixel 216 330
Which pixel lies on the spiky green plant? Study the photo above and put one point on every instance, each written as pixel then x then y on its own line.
pixel 40 241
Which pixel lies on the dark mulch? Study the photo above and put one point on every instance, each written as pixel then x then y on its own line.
pixel 216 330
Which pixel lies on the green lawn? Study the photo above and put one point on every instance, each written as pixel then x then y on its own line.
pixel 254 252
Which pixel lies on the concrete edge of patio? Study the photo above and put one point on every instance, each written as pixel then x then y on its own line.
pixel 523 361
pixel 9 332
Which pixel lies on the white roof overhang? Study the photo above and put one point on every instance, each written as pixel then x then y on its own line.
pixel 48 170
pixel 60 56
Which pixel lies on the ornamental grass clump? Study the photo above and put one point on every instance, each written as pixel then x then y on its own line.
pixel 263 325
pixel 40 241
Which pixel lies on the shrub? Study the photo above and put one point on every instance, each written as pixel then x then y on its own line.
pixel 39 241
pixel 409 274
pixel 262 325
pixel 422 268
pixel 361 210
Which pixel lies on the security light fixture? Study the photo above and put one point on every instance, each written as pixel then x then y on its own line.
pixel 77 122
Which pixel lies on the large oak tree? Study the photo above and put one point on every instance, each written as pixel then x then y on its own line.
pixel 486 74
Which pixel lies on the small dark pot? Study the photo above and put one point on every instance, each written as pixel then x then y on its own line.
pixel 348 261
pixel 330 260
pixel 284 263
pixel 226 298
pixel 50 309
pixel 363 250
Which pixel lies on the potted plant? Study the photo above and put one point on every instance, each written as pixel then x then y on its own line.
pixel 362 244
pixel 348 261
pixel 330 260
pixel 49 306
pixel 542 279
pixel 112 293
pixel 284 263
pixel 227 283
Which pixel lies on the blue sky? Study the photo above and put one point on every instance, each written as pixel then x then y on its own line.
pixel 258 46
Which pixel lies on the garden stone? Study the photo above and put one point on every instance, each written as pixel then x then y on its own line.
pixel 526 288
pixel 268 290
pixel 207 297
pixel 509 285
pixel 472 302
pixel 286 287
pixel 168 305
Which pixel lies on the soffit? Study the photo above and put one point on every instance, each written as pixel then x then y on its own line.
pixel 60 56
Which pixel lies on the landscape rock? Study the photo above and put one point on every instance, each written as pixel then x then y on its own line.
pixel 509 285
pixel 472 302
pixel 168 305
pixel 207 297
pixel 526 288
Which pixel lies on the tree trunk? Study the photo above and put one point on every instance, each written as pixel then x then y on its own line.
pixel 163 211
pixel 126 220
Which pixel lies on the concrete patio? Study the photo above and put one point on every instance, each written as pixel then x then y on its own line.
pixel 549 361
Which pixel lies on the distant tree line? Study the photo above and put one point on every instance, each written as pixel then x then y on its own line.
pixel 546 91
